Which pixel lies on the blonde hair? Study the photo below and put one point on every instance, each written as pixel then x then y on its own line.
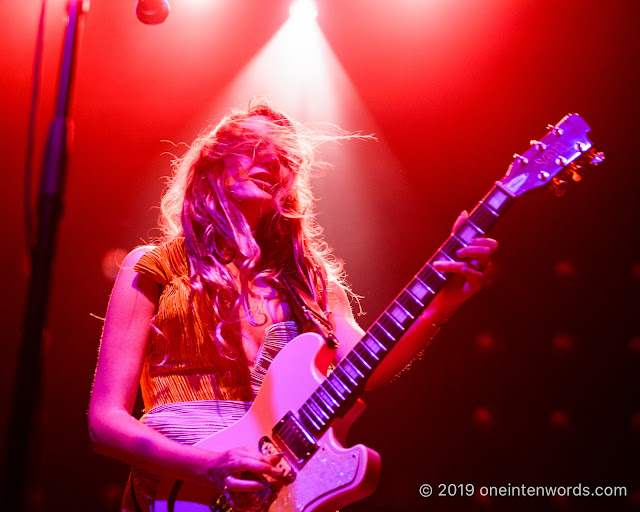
pixel 287 244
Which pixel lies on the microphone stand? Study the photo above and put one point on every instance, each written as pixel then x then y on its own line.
pixel 26 414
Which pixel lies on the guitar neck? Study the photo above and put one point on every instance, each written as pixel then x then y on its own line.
pixel 346 382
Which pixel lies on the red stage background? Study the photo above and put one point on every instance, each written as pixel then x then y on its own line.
pixel 535 382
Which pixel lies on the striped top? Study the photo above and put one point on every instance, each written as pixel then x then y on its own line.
pixel 182 362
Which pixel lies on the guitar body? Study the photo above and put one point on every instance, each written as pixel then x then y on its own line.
pixel 333 477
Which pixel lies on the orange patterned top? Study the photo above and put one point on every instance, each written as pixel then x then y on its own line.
pixel 182 362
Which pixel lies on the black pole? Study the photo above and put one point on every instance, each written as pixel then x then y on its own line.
pixel 24 437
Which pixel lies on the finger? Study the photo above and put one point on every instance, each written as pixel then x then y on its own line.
pixel 482 241
pixel 247 477
pixel 482 254
pixel 473 250
pixel 464 215
pixel 263 466
pixel 458 267
pixel 249 459
pixel 483 245
pixel 235 484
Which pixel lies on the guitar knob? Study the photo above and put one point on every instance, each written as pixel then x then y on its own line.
pixel 521 159
pixel 559 187
pixel 555 130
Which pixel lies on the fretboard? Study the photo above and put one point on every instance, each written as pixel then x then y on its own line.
pixel 346 382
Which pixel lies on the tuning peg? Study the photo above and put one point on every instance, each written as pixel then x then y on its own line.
pixel 575 175
pixel 559 186
pixel 540 146
pixel 555 130
pixel 543 175
pixel 581 146
pixel 597 158
pixel 561 161
pixel 522 160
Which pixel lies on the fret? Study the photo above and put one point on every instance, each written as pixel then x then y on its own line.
pixel 452 246
pixel 410 304
pixel 387 322
pixel 327 398
pixel 373 346
pixel 404 324
pixel 483 216
pixel 419 290
pixel 328 383
pixel 356 350
pixel 320 405
pixel 313 404
pixel 441 256
pixel 440 275
pixel 432 277
pixel 487 205
pixel 460 241
pixel 400 314
pixel 498 199
pixel 353 367
pixel 317 425
pixel 373 354
pixel 336 378
pixel 469 231
pixel 342 375
pixel 307 415
pixel 381 336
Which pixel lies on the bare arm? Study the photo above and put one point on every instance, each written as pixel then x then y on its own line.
pixel 468 278
pixel 114 432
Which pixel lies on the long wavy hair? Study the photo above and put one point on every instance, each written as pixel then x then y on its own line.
pixel 288 244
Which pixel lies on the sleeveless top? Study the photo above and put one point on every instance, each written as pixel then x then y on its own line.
pixel 189 389
pixel 182 362
pixel 191 421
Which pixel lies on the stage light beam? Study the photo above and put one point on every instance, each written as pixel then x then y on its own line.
pixel 303 11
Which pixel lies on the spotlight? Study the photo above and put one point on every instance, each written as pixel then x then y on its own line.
pixel 303 10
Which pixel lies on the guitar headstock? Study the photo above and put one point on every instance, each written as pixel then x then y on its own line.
pixel 559 157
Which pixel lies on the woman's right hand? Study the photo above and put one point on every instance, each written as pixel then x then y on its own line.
pixel 242 474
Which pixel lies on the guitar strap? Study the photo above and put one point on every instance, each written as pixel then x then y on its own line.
pixel 313 314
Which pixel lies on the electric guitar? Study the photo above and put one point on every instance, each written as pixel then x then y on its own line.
pixel 298 404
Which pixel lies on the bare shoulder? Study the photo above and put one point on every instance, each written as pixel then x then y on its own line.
pixel 338 295
pixel 130 282
pixel 346 328
pixel 134 256
pixel 343 300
